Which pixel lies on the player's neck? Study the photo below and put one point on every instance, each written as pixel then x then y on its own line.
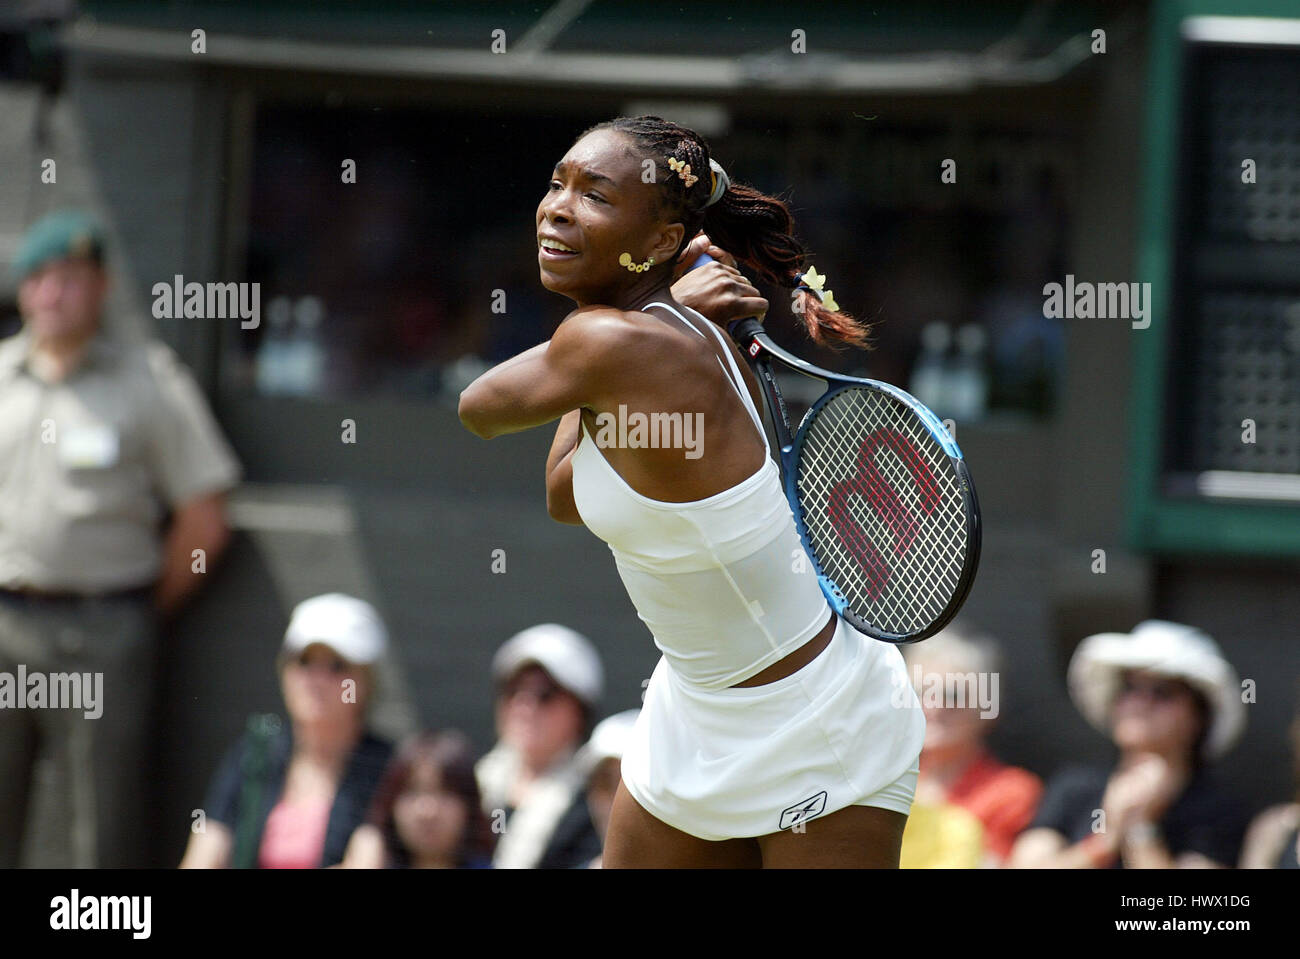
pixel 663 293
pixel 650 288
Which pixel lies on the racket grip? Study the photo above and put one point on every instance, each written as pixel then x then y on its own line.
pixel 745 327
pixel 743 330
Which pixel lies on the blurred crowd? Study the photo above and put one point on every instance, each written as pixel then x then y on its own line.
pixel 114 475
pixel 327 793
pixel 321 790
pixel 1171 707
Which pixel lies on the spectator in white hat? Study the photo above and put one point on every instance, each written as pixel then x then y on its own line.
pixel 1171 704
pixel 291 797
pixel 602 761
pixel 549 680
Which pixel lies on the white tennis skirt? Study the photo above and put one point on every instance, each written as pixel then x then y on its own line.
pixel 844 730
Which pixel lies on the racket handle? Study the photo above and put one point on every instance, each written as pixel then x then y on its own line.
pixel 745 327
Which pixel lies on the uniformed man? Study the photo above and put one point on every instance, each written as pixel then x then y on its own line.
pixel 101 441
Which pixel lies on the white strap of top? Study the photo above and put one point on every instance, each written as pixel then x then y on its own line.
pixel 734 376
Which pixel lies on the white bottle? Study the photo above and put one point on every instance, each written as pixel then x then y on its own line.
pixel 968 385
pixel 272 356
pixel 929 382
pixel 305 358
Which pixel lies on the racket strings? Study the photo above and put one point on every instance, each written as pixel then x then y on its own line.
pixel 884 509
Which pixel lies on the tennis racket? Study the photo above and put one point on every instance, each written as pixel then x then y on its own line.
pixel 881 496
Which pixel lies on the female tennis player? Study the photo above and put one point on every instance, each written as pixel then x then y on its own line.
pixel 773 734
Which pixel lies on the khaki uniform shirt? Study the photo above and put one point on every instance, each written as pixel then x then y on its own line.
pixel 89 465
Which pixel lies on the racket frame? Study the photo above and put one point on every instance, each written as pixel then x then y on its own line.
pixel 759 351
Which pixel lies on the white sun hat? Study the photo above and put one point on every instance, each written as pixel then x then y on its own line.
pixel 1169 649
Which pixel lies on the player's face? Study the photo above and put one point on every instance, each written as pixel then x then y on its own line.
pixel 63 299
pixel 1154 713
pixel 430 819
pixel 596 203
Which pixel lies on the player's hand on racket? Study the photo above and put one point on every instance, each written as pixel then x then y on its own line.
pixel 718 290
pixel 699 245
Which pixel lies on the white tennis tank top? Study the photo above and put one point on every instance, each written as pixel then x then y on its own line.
pixel 716 580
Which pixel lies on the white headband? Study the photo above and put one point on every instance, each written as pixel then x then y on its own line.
pixel 720 182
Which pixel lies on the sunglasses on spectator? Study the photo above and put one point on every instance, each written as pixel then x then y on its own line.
pixel 544 693
pixel 1159 690
pixel 334 664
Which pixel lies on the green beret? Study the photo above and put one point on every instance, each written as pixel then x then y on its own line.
pixel 60 235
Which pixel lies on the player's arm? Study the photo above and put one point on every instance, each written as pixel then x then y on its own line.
pixel 559 470
pixel 576 367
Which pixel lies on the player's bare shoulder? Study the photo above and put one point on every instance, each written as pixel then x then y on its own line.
pixel 609 320
pixel 607 335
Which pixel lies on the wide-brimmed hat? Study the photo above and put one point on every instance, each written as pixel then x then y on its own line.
pixel 1169 649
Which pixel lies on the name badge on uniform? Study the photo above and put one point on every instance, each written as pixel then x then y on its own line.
pixel 89 447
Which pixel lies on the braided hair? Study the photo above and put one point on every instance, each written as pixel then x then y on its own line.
pixel 754 227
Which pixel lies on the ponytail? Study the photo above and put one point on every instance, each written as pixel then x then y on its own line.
pixel 758 230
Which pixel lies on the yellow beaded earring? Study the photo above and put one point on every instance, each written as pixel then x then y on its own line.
pixel 625 259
